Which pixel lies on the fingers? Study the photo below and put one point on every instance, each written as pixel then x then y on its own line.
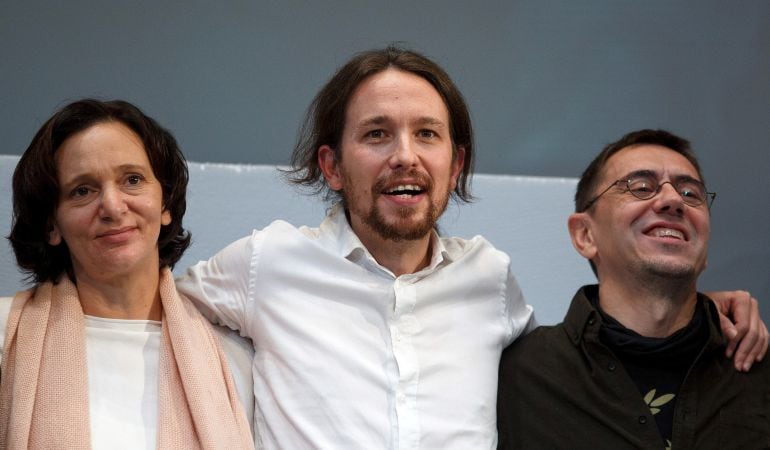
pixel 764 340
pixel 753 345
pixel 734 316
pixel 743 327
pixel 731 333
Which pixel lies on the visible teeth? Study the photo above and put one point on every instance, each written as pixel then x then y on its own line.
pixel 667 232
pixel 404 187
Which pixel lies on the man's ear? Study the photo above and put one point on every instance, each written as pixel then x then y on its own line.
pixel 329 165
pixel 54 236
pixel 581 233
pixel 457 166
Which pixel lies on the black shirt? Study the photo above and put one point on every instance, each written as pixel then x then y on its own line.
pixel 657 366
pixel 562 387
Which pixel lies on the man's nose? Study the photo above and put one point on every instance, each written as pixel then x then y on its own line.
pixel 404 152
pixel 668 199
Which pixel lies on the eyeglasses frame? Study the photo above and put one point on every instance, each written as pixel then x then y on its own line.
pixel 709 200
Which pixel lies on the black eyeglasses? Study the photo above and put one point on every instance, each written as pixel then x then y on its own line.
pixel 645 187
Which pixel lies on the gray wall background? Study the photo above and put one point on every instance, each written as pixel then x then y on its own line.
pixel 548 82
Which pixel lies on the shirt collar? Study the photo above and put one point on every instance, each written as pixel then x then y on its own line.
pixel 583 321
pixel 340 236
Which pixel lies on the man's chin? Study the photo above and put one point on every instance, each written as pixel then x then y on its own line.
pixel 400 234
pixel 402 229
pixel 671 270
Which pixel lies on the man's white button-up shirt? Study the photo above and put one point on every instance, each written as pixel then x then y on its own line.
pixel 348 356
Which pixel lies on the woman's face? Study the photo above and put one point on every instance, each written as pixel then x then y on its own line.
pixel 110 206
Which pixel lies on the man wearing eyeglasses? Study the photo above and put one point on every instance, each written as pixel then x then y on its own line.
pixel 639 361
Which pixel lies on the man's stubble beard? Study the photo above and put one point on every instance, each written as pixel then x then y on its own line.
pixel 665 278
pixel 397 232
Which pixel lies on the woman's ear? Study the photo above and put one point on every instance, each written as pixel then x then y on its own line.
pixel 54 236
pixel 165 217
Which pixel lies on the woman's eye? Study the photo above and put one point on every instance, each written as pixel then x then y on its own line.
pixel 134 179
pixel 80 191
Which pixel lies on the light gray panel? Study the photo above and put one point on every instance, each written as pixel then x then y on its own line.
pixel 227 201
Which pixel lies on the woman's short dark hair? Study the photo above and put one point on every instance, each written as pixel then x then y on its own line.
pixel 36 185
pixel 325 118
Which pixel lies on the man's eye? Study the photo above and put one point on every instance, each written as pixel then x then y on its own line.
pixel 642 186
pixel 427 134
pixel 691 192
pixel 375 134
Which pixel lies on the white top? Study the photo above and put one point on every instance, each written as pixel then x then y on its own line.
pixel 348 356
pixel 122 358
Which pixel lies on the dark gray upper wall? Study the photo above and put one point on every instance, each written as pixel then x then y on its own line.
pixel 548 82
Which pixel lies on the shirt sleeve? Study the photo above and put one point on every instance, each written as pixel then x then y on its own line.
pixel 521 316
pixel 221 287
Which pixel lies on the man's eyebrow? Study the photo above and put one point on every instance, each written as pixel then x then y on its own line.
pixel 379 120
pixel 428 120
pixel 640 173
pixel 654 174
pixel 679 178
pixel 375 120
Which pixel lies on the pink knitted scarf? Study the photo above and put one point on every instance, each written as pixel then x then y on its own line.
pixel 44 388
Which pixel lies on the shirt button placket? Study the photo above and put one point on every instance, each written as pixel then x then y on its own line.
pixel 403 328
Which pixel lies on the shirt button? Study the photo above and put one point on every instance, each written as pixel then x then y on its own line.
pixel 611 366
pixel 642 420
pixel 591 321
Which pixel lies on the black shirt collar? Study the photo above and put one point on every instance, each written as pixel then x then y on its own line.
pixel 584 320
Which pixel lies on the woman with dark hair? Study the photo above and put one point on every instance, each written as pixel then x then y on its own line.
pixel 102 352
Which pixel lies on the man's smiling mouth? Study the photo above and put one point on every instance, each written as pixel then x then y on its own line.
pixel 666 233
pixel 405 190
